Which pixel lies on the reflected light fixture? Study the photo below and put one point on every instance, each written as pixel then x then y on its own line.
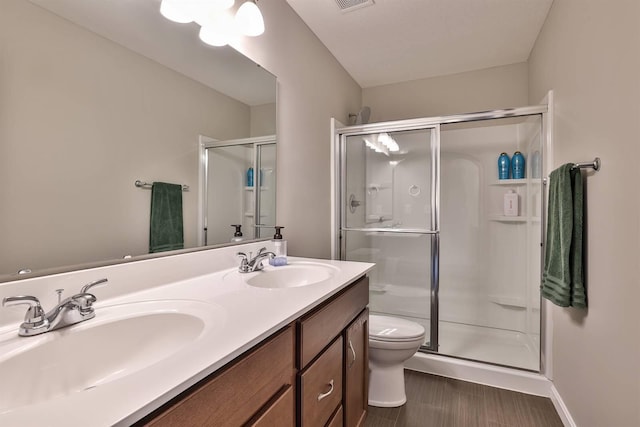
pixel 249 19
pixel 219 26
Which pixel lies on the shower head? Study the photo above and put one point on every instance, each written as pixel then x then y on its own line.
pixel 362 118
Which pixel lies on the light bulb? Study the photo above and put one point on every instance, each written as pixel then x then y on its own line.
pixel 249 19
pixel 180 11
pixel 206 11
pixel 219 30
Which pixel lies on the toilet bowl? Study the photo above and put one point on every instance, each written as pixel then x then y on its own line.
pixel 391 342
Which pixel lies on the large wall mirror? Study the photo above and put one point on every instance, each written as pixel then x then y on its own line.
pixel 96 95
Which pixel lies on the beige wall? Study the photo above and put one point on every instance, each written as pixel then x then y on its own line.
pixel 481 90
pixel 312 88
pixel 81 118
pixel 263 120
pixel 589 53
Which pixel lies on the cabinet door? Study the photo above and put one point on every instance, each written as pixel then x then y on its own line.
pixel 280 413
pixel 232 396
pixel 356 360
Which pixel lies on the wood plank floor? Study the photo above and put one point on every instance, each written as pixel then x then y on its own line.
pixel 434 401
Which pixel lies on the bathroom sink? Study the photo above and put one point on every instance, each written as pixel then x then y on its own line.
pixel 291 276
pixel 120 340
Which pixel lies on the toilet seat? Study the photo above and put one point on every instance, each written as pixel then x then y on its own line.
pixel 393 329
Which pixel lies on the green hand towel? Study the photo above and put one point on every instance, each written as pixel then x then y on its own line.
pixel 563 276
pixel 166 232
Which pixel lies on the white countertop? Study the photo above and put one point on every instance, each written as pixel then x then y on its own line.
pixel 238 317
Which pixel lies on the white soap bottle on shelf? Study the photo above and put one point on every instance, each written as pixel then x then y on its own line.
pixel 511 203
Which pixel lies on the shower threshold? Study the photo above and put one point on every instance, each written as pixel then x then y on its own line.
pixel 483 344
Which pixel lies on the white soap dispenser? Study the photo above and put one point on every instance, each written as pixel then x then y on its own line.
pixel 511 203
pixel 279 248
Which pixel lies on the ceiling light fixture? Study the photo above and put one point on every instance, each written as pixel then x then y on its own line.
pixel 219 27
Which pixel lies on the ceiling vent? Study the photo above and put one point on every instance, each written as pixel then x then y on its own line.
pixel 351 5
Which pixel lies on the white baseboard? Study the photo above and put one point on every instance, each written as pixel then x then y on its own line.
pixel 561 408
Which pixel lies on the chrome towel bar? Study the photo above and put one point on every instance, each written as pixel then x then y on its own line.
pixel 595 164
pixel 142 184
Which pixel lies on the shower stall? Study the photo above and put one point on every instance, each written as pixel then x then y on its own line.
pixel 228 197
pixel 421 198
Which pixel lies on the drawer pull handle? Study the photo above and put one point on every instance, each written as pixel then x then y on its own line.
pixel 353 352
pixel 323 395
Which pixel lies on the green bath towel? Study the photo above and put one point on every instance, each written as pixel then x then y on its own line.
pixel 165 233
pixel 563 277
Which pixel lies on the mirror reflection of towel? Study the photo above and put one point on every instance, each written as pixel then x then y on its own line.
pixel 165 232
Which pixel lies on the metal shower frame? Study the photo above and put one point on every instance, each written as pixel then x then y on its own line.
pixel 433 124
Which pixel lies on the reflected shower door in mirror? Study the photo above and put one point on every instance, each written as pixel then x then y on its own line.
pixel 96 95
pixel 239 189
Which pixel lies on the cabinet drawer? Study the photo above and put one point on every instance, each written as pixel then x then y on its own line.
pixel 233 396
pixel 336 420
pixel 280 413
pixel 321 387
pixel 317 329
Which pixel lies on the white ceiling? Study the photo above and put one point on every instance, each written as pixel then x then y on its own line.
pixel 401 40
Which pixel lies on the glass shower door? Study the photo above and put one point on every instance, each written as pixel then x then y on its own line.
pixel 489 257
pixel 389 196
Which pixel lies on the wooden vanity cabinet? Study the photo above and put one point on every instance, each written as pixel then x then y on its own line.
pixel 256 389
pixel 312 373
pixel 336 330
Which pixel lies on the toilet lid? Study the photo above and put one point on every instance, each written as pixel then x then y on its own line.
pixel 387 328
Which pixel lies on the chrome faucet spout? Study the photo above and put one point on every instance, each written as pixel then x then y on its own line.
pixel 74 309
pixel 249 264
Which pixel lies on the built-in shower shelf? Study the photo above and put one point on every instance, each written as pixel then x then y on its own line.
pixel 507 301
pixel 510 182
pixel 502 218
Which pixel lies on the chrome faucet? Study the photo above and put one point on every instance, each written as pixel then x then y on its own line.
pixel 71 310
pixel 249 264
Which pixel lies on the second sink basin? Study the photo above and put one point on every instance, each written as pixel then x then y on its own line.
pixel 120 340
pixel 291 276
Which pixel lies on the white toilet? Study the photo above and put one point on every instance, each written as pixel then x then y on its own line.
pixel 391 342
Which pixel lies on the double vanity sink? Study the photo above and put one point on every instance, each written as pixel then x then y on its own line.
pixel 145 347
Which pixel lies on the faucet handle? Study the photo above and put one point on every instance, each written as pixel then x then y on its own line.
pixel 35 313
pixel 244 262
pixel 85 302
pixel 85 288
